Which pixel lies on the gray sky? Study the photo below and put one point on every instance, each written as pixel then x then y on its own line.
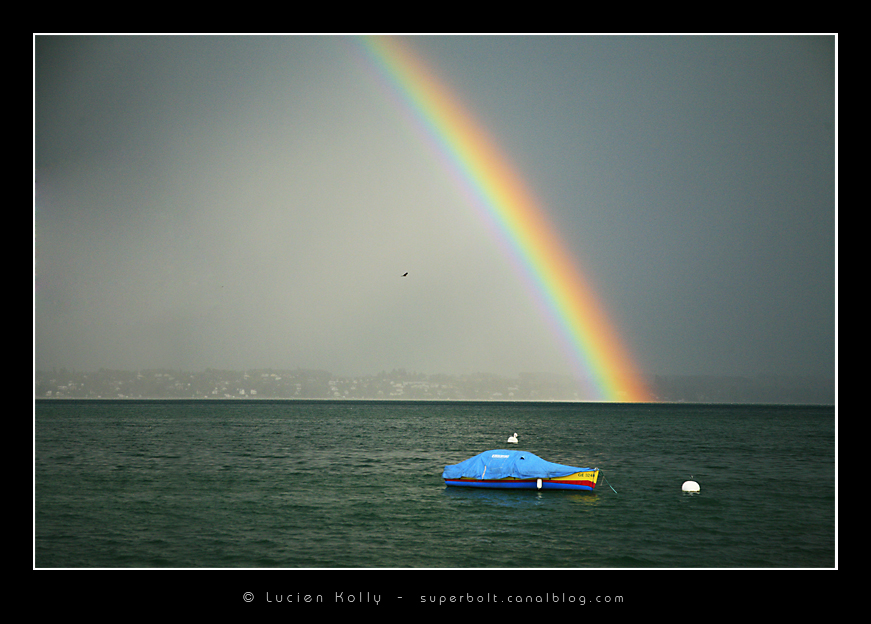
pixel 252 202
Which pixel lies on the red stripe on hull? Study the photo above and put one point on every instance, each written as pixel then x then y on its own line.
pixel 466 480
pixel 521 483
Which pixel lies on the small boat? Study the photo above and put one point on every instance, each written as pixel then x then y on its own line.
pixel 518 470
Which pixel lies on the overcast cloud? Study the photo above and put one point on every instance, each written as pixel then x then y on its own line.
pixel 252 202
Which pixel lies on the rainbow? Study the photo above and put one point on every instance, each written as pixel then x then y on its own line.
pixel 499 191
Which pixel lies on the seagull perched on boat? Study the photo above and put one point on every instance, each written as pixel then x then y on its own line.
pixel 513 439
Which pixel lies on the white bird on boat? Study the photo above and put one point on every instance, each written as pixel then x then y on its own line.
pixel 513 439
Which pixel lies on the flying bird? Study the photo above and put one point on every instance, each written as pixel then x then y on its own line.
pixel 404 274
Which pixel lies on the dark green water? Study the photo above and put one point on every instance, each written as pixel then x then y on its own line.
pixel 358 485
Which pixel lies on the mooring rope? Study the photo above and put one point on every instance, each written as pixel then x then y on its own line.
pixel 609 485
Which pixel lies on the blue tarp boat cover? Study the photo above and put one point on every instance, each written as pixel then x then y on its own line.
pixel 499 464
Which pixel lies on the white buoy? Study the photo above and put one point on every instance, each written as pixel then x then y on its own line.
pixel 690 486
pixel 538 484
pixel 513 439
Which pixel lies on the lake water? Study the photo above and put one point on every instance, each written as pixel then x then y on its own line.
pixel 322 484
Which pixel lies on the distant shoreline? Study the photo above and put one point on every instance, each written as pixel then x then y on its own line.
pixel 413 401
pixel 403 385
